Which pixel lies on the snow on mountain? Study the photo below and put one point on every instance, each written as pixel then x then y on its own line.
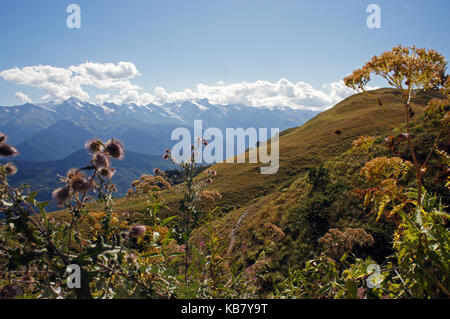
pixel 153 121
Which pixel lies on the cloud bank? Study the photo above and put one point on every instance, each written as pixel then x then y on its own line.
pixel 116 80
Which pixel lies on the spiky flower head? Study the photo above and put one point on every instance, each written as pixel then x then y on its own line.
pixel 158 172
pixel 137 231
pixel 115 149
pixel 10 169
pixel 61 195
pixel 80 184
pixel 131 258
pixel 212 172
pixel 7 150
pixel 3 138
pixel 94 145
pixel 71 173
pixel 101 160
pixel 107 172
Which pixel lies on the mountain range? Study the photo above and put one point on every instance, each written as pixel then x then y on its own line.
pixel 50 137
pixel 44 132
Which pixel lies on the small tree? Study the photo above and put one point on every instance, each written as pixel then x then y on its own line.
pixel 410 70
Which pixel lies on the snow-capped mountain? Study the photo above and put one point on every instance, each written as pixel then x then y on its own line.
pixel 145 129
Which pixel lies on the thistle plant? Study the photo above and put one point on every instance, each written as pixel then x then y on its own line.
pixel 193 192
pixel 40 248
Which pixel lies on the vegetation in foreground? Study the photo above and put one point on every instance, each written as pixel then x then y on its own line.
pixel 368 222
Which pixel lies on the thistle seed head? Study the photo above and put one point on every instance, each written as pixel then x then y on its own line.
pixel 61 195
pixel 115 149
pixel 137 231
pixel 101 160
pixel 10 169
pixel 107 172
pixel 93 145
pixel 8 150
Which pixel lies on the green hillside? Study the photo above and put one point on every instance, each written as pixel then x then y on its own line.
pixel 307 145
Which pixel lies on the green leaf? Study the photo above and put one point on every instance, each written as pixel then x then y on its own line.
pixel 41 207
pixel 168 220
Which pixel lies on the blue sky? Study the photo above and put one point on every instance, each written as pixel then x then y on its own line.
pixel 177 44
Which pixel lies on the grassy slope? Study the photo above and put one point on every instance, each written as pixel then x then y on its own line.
pixel 302 147
pixel 250 199
pixel 268 198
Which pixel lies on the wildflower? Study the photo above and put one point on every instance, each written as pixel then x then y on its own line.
pixel 131 258
pixel 202 244
pixel 60 195
pixel 126 214
pixel 101 160
pixel 212 172
pixel 93 145
pixel 155 236
pixel 166 156
pixel 210 195
pixel 72 173
pixel 107 172
pixel 137 231
pixel 3 137
pixel 8 150
pixel 112 188
pixel 80 184
pixel 159 172
pixel 115 149
pixel 135 183
pixel 10 169
pixel 209 181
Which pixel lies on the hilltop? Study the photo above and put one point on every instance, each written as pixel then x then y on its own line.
pixel 327 134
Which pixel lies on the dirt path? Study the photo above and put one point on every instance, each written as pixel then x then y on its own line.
pixel 235 228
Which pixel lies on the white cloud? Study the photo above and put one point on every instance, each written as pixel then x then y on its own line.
pixel 23 97
pixel 299 95
pixel 61 83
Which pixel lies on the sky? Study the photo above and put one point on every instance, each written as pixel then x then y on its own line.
pixel 254 52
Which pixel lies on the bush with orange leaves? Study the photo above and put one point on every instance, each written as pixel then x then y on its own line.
pixel 363 145
pixel 385 175
pixel 148 184
pixel 383 168
pixel 410 70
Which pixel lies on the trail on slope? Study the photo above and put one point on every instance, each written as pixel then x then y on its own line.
pixel 235 228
